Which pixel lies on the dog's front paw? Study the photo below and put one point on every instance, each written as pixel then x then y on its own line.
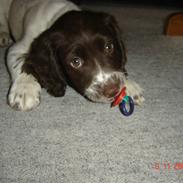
pixel 4 39
pixel 135 91
pixel 24 94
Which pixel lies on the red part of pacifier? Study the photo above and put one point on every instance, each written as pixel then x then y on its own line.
pixel 119 98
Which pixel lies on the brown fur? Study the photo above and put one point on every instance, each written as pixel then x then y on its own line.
pixel 76 34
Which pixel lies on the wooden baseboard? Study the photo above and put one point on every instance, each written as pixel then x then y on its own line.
pixel 174 25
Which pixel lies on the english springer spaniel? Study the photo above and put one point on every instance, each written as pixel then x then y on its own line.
pixel 57 44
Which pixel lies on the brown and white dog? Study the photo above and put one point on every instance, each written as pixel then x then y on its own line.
pixel 57 44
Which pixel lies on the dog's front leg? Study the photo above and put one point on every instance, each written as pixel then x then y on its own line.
pixel 24 93
pixel 135 91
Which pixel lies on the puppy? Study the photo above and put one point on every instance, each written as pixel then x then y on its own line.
pixel 57 44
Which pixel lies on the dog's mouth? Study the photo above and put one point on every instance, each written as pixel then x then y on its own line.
pixel 105 91
pixel 100 96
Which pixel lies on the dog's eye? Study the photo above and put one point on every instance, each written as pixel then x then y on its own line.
pixel 109 47
pixel 76 62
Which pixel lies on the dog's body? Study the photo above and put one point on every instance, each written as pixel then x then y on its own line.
pixel 57 44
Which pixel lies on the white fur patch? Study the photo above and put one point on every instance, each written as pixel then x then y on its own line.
pixel 102 78
pixel 24 93
pixel 135 91
pixel 93 92
pixel 25 90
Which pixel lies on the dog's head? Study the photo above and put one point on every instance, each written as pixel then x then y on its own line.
pixel 89 53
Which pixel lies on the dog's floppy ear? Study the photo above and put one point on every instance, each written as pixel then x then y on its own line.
pixel 111 22
pixel 42 63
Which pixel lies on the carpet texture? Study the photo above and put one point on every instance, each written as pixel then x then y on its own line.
pixel 71 140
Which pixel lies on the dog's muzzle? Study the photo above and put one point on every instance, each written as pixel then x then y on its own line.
pixel 105 86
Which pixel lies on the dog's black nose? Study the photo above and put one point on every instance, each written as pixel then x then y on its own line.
pixel 111 90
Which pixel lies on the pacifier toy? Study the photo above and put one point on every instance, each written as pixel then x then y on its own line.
pixel 126 104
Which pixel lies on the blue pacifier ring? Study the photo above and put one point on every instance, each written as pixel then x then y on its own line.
pixel 122 106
